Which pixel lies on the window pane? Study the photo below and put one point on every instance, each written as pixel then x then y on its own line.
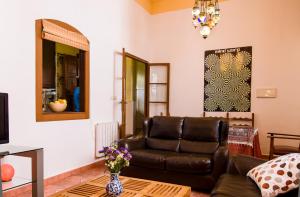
pixel 158 93
pixel 158 74
pixel 157 109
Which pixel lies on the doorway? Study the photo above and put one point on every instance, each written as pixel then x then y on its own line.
pixel 141 90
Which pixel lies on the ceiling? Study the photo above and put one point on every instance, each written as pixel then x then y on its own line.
pixel 161 6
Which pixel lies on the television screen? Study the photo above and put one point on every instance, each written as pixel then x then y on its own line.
pixel 4 129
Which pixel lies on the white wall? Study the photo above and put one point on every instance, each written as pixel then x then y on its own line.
pixel 109 26
pixel 270 26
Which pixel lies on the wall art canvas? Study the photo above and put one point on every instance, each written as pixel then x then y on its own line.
pixel 227 80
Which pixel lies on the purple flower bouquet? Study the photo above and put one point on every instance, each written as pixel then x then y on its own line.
pixel 116 158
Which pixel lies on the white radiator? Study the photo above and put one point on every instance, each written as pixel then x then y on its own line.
pixel 106 134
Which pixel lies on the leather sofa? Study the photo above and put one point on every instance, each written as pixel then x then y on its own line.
pixel 187 151
pixel 235 182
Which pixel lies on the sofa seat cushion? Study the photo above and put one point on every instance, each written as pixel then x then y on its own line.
pixel 163 144
pixel 149 158
pixel 235 185
pixel 189 163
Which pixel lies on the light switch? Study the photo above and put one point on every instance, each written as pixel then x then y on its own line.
pixel 266 93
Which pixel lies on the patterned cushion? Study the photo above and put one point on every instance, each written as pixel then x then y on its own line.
pixel 277 176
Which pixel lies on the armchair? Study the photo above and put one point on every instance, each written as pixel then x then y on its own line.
pixel 282 149
pixel 236 183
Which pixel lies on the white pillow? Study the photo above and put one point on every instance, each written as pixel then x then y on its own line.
pixel 277 176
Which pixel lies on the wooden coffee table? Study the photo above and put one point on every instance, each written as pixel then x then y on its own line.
pixel 133 187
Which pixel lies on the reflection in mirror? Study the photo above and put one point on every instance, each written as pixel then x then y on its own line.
pixel 135 96
pixel 63 68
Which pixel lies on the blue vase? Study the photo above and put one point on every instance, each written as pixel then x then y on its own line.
pixel 114 187
pixel 76 98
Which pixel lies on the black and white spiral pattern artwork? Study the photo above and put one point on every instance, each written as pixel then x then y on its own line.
pixel 227 80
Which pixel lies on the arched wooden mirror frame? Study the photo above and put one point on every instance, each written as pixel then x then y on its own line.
pixel 85 86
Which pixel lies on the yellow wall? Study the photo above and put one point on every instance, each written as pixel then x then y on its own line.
pixel 140 75
pixel 65 49
pixel 130 82
pixel 161 6
pixel 145 4
pixel 135 78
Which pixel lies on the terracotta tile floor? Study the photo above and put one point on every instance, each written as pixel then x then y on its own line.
pixel 77 179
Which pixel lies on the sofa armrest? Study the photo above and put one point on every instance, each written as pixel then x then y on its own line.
pixel 132 144
pixel 241 164
pixel 220 161
pixel 147 126
pixel 224 133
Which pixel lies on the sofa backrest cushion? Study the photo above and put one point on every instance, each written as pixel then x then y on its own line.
pixel 188 146
pixel 163 144
pixel 201 129
pixel 166 127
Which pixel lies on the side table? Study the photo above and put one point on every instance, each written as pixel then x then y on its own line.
pixel 37 168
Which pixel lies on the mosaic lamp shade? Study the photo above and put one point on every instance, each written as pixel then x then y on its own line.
pixel 206 15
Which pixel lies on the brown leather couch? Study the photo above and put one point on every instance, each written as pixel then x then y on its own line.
pixel 186 151
pixel 235 182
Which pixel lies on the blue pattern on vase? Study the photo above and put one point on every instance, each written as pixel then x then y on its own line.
pixel 114 187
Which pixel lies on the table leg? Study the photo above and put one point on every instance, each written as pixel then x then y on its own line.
pixel 37 166
pixel 1 190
